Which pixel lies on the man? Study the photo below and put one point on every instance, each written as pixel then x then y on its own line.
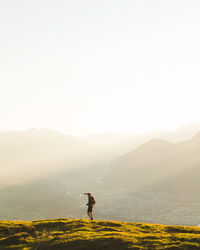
pixel 90 204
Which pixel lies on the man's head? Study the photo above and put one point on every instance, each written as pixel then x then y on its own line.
pixel 89 194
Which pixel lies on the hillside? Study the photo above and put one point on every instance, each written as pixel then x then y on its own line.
pixel 34 153
pixel 174 200
pixel 149 184
pixel 157 183
pixel 84 234
pixel 154 161
pixel 118 144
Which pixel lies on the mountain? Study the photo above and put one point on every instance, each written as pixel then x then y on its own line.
pixel 115 145
pixel 154 161
pixel 34 153
pixel 158 182
pixel 84 234
pixel 181 134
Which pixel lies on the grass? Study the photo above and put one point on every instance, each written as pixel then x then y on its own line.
pixel 84 234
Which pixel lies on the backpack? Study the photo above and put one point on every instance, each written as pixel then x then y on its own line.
pixel 93 201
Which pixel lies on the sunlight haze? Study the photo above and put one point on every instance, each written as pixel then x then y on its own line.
pixel 92 66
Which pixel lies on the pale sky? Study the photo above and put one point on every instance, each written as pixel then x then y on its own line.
pixel 87 66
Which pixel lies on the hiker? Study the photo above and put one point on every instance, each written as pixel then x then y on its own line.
pixel 90 204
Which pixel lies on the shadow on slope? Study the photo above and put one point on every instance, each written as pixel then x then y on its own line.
pixel 84 234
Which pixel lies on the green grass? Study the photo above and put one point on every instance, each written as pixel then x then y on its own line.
pixel 84 234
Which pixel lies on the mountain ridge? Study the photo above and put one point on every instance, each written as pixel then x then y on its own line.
pixel 34 153
pixel 160 154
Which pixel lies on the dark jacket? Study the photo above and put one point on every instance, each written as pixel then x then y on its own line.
pixel 91 201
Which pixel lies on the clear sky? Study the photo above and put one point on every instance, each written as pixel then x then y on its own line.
pixel 85 66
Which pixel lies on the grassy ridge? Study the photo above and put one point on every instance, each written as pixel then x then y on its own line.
pixel 84 234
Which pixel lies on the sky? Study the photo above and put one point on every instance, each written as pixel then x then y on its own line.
pixel 93 66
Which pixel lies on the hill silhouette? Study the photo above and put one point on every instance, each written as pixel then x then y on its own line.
pixel 158 182
pixel 84 234
pixel 118 144
pixel 154 161
pixel 25 155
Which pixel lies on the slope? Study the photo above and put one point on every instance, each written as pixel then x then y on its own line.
pixel 34 153
pixel 158 182
pixel 118 144
pixel 154 161
pixel 84 234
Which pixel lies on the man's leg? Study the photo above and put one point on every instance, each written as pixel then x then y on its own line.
pixel 89 212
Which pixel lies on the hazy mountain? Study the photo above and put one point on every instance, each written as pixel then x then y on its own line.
pixel 158 182
pixel 119 144
pixel 33 153
pixel 155 160
pixel 181 134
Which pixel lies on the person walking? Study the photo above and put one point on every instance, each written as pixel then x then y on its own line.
pixel 90 204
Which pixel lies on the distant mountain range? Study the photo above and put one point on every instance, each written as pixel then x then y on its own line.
pixel 158 181
pixel 119 144
pixel 154 161
pixel 35 153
